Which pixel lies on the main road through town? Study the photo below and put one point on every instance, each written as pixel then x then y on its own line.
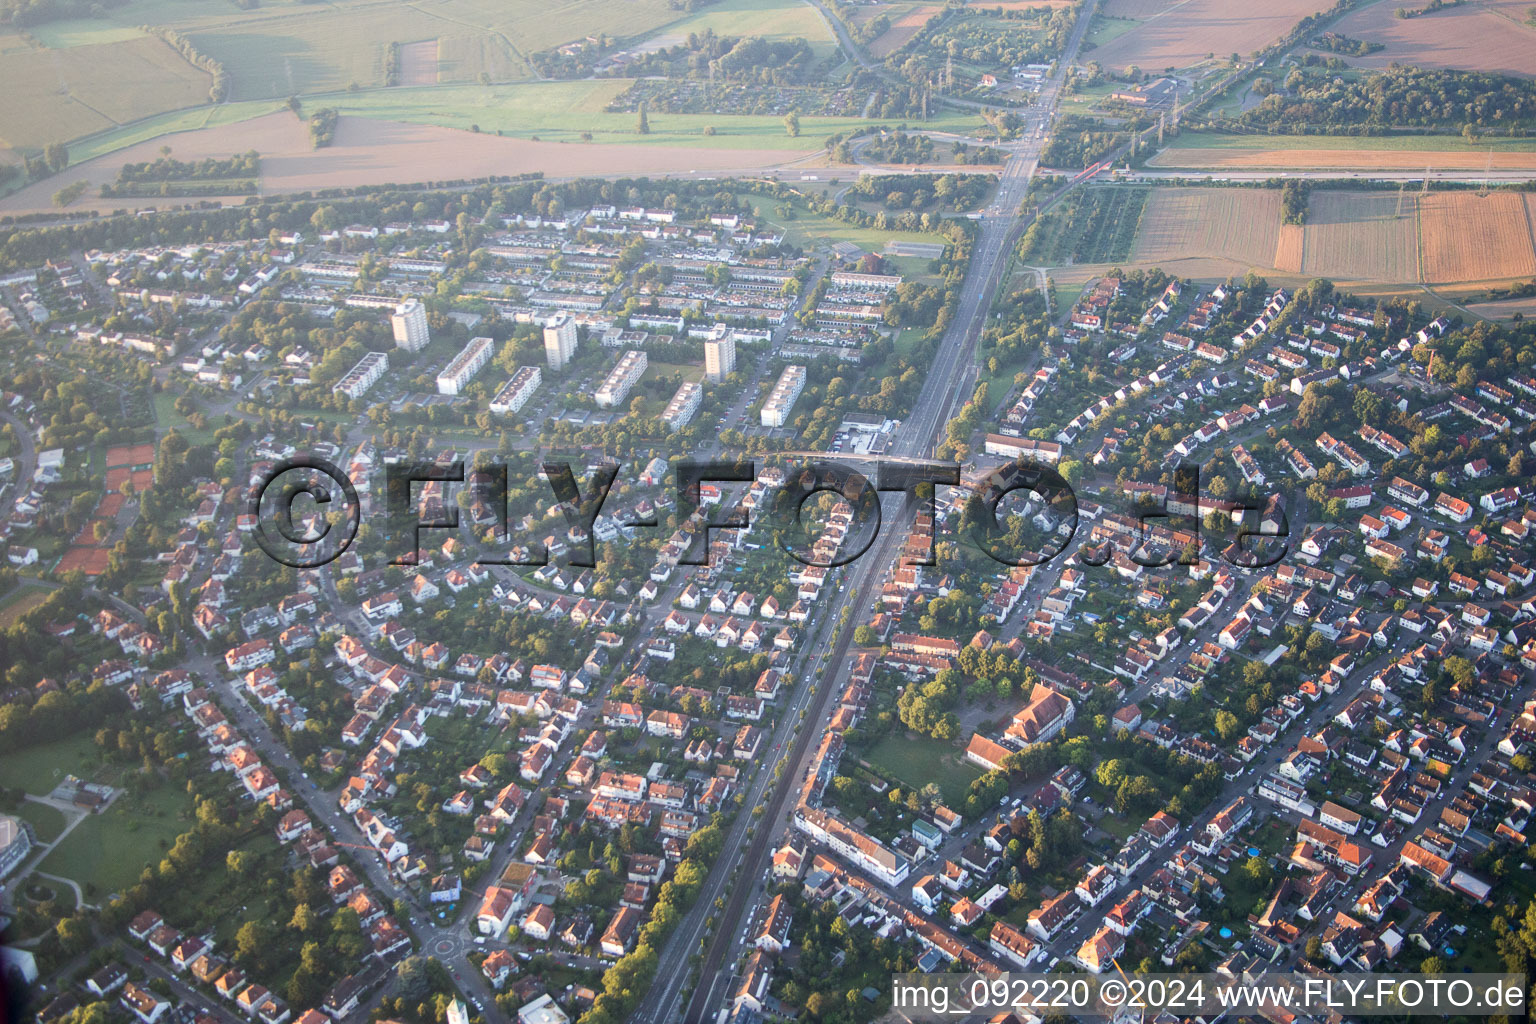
pixel 739 874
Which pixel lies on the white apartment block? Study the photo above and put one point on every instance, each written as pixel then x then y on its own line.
pixel 514 394
pixel 410 323
pixel 560 340
pixel 684 404
pixel 781 399
pixel 719 355
pixel 865 282
pixel 621 378
pixel 463 367
pixel 364 375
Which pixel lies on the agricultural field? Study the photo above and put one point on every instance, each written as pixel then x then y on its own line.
pixel 906 22
pixel 280 49
pixel 1467 237
pixel 419 63
pixel 1494 35
pixel 1181 33
pixel 464 57
pixel 1361 236
pixel 1506 309
pixel 394 135
pixel 1197 151
pixel 1290 248
pixel 54 95
pixel 562 111
pixel 774 20
pixel 1239 226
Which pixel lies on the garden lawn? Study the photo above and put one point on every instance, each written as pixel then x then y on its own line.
pixel 915 761
pixel 111 849
pixel 38 769
pixel 46 821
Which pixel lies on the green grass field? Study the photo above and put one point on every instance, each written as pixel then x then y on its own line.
pixel 774 20
pixel 562 111
pixel 167 417
pixel 809 230
pixel 20 601
pixel 46 821
pixel 173 123
pixel 38 769
pixel 61 35
pixel 1101 30
pixel 915 761
pixel 111 849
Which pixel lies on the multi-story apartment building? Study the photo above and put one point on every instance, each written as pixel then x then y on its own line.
pixel 514 394
pixel 410 324
pixel 463 367
pixel 684 404
pixel 356 382
pixel 560 340
pixel 719 356
pixel 781 399
pixel 621 378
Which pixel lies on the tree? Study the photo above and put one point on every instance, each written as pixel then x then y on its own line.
pixel 56 156
pixel 1226 725
pixel 792 124
pixel 252 942
pixel 642 125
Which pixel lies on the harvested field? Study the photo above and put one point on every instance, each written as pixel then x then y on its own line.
pixel 1360 236
pixel 1240 225
pixel 418 63
pixel 1506 309
pixel 461 58
pixel 1490 36
pixel 905 23
pixel 1236 158
pixel 57 95
pixel 369 151
pixel 1182 34
pixel 1467 237
pixel 1290 248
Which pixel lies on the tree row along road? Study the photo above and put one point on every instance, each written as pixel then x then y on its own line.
pixel 747 862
